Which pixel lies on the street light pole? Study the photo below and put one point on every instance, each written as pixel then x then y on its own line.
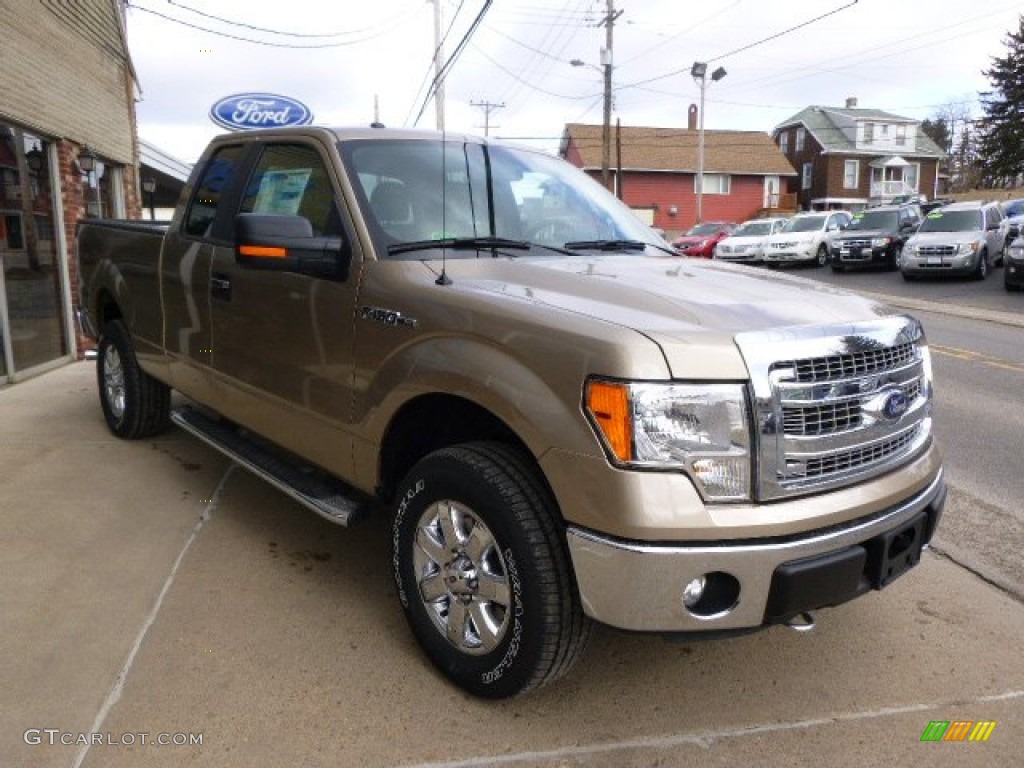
pixel 699 72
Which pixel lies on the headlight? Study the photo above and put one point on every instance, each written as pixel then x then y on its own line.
pixel 1016 252
pixel 700 429
pixel 965 248
pixel 879 242
pixel 704 243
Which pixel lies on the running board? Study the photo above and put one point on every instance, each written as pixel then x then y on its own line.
pixel 313 488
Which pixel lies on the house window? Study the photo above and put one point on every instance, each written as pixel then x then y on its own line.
pixel 884 128
pixel 715 184
pixel 901 135
pixel 805 181
pixel 851 174
pixel 784 142
pixel 911 174
pixel 800 137
pixel 869 133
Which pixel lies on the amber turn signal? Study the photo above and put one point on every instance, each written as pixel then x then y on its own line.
pixel 608 403
pixel 263 251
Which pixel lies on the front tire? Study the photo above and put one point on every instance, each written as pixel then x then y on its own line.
pixel 981 271
pixel 134 404
pixel 483 573
pixel 821 258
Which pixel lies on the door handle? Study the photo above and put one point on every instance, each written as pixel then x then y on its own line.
pixel 220 286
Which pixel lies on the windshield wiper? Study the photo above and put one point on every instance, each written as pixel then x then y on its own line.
pixel 606 245
pixel 459 244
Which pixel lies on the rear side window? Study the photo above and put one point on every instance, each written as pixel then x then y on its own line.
pixel 211 188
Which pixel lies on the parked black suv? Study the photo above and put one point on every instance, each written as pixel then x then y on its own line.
pixel 875 236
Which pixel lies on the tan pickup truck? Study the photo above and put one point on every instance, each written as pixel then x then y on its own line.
pixel 566 421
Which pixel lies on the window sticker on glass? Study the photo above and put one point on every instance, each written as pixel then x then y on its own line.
pixel 281 191
pixel 935 215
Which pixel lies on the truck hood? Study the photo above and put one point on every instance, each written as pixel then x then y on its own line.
pixel 863 234
pixel 688 307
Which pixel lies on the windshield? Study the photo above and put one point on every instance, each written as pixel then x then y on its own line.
pixel 874 220
pixel 417 191
pixel 753 229
pixel 1013 208
pixel 951 221
pixel 805 224
pixel 704 229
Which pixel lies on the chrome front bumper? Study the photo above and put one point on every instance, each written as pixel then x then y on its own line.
pixel 639 586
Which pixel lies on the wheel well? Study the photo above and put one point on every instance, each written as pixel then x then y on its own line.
pixel 432 422
pixel 106 310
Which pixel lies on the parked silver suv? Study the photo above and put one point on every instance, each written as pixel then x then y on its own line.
pixel 957 239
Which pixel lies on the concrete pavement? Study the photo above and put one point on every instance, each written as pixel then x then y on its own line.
pixel 151 588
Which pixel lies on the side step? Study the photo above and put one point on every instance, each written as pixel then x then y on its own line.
pixel 325 495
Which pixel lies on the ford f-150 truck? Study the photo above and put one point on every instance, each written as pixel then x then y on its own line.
pixel 566 421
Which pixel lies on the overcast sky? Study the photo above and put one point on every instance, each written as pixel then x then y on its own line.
pixel 910 57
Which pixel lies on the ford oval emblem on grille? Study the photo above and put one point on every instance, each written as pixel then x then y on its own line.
pixel 895 405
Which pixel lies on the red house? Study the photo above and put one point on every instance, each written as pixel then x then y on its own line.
pixel 654 171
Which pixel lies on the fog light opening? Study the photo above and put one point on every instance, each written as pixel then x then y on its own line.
pixel 711 595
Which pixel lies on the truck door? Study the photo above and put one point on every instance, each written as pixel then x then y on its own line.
pixel 283 342
pixel 185 271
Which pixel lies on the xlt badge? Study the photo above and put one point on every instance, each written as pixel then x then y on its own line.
pixel 387 316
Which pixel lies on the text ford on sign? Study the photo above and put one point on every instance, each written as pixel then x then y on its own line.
pixel 244 111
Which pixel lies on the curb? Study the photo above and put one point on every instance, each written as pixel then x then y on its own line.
pixel 971 313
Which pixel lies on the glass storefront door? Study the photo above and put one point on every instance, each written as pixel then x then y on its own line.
pixel 32 329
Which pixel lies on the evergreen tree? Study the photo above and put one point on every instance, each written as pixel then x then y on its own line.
pixel 937 130
pixel 1001 134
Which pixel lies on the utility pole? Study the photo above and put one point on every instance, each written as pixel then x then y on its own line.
pixel 438 63
pixel 606 123
pixel 488 107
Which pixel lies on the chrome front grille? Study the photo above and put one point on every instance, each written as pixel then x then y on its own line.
pixel 936 250
pixel 836 405
pixel 854 243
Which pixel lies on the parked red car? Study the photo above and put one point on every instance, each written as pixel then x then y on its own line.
pixel 702 239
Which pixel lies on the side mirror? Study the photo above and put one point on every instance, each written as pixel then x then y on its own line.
pixel 287 244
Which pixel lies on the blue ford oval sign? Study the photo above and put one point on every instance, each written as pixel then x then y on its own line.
pixel 245 111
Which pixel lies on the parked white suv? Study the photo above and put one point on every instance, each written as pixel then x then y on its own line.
pixel 803 238
pixel 746 243
pixel 957 239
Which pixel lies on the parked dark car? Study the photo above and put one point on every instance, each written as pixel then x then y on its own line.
pixel 702 239
pixel 875 236
pixel 1013 274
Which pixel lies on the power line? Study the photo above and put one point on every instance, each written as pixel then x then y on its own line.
pixel 269 30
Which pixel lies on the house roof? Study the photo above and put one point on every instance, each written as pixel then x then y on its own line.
pixel 818 121
pixel 675 149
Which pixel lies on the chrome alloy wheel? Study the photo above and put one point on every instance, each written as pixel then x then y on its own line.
pixel 462 578
pixel 113 381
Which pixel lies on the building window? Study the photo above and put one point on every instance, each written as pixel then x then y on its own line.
pixel 784 142
pixel 869 133
pixel 851 174
pixel 800 137
pixel 715 184
pixel 911 175
pixel 884 129
pixel 805 181
pixel 901 135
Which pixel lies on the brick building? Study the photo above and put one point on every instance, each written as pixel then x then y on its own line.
pixel 68 150
pixel 654 171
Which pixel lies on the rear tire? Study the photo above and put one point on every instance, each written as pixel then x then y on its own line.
pixel 134 404
pixel 483 572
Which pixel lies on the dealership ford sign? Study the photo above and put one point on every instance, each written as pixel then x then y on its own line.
pixel 245 111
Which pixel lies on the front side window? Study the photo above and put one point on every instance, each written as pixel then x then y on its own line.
pixel 292 180
pixel 214 183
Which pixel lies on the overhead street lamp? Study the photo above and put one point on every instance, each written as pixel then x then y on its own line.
pixel 606 122
pixel 699 73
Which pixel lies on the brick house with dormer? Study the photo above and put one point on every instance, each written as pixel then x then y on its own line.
pixel 851 157
pixel 654 172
